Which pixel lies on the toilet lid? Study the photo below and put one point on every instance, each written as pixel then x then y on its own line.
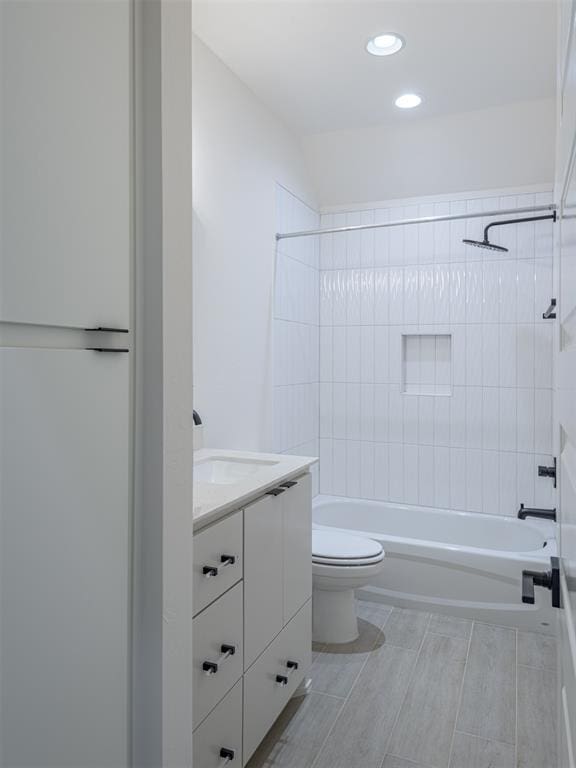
pixel 331 545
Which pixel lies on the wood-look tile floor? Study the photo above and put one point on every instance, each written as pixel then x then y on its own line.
pixel 422 690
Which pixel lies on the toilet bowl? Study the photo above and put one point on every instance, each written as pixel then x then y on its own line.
pixel 341 563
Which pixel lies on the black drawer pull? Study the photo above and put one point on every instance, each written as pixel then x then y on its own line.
pixel 275 492
pixel 106 329
pixel 227 755
pixel 289 484
pixel 209 571
pixel 292 665
pixel 211 667
pixel 281 679
pixel 227 560
pixel 105 349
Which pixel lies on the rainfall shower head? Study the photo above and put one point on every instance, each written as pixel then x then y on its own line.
pixel 485 244
pixel 492 246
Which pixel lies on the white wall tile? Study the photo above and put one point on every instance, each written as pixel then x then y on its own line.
pixel 339 411
pixel 395 414
pixel 543 421
pixel 411 472
pixel 491 482
pixel 353 469
pixel 353 353
pixel 395 296
pixel 490 419
pixel 426 419
pixel 426 473
pixel 382 354
pixel 525 361
pixel 508 418
pixel 458 417
pixel 341 306
pixel 339 467
pixel 525 420
pixel 396 473
pixel 367 411
pixel 367 470
pixel 326 353
pixel 367 350
pixel 474 485
pixel 353 412
pixel 458 478
pixel 381 413
pixel 381 471
pixel 326 466
pixel 543 354
pixel 410 418
pixel 474 423
pixel 507 484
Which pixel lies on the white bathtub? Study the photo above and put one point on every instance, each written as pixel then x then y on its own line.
pixel 461 563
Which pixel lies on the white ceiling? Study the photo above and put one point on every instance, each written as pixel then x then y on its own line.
pixel 306 59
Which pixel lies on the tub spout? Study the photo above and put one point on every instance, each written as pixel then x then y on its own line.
pixel 548 514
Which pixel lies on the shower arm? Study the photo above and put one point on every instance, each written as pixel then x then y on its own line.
pixel 550 217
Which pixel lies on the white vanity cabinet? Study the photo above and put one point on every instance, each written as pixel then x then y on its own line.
pixel 263 577
pixel 252 633
pixel 277 570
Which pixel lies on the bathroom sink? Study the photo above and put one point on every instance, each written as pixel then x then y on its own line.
pixel 227 470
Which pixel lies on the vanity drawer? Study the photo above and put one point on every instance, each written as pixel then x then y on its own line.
pixel 270 681
pixel 218 654
pixel 217 560
pixel 220 735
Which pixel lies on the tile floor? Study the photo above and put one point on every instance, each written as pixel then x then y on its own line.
pixel 421 690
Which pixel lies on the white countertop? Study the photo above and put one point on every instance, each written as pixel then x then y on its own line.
pixel 214 500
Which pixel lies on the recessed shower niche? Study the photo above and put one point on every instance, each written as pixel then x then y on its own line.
pixel 427 364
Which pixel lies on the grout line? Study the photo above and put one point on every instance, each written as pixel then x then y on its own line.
pixel 345 700
pixel 540 669
pixel 516 697
pixel 461 692
pixel 451 637
pixel 411 678
pixel 483 738
pixel 330 695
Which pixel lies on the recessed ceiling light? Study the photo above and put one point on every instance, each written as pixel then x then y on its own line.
pixel 408 101
pixel 385 45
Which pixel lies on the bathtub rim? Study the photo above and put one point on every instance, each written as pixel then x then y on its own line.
pixel 545 528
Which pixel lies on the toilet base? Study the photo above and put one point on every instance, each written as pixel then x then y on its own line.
pixel 334 616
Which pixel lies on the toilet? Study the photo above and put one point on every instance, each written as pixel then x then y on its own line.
pixel 341 563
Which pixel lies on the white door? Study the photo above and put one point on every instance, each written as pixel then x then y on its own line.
pixel 64 558
pixel 65 159
pixel 565 384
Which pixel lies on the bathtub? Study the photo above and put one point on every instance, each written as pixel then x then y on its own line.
pixel 462 563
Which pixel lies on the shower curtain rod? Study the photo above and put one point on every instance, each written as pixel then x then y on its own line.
pixel 423 220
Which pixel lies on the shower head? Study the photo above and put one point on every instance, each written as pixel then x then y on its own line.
pixel 485 244
pixel 500 248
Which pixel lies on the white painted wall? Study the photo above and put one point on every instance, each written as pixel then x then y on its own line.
pixel 509 146
pixel 296 351
pixel 177 669
pixel 240 151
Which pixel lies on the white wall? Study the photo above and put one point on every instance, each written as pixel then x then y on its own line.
pixel 240 151
pixel 565 379
pixel 508 146
pixel 177 669
pixel 162 670
pixel 296 332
